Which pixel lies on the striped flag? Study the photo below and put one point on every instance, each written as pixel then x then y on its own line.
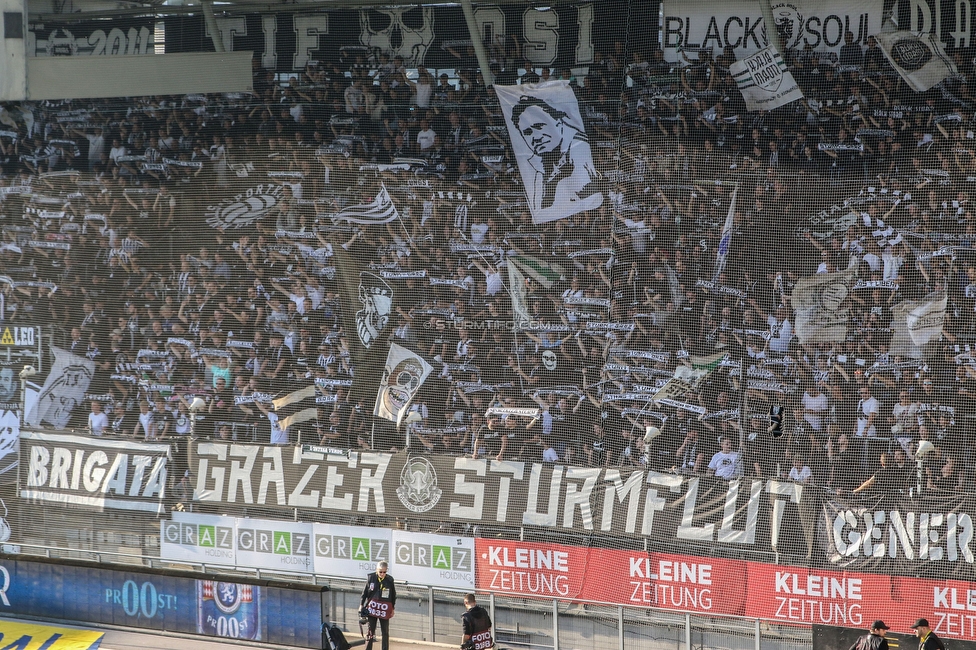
pixel 723 243
pixel 543 272
pixel 379 211
pixel 516 286
pixel 296 407
pixel 764 81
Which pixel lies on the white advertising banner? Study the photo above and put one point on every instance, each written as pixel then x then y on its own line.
pixel 204 539
pixel 274 545
pixel 692 24
pixel 435 560
pixel 349 551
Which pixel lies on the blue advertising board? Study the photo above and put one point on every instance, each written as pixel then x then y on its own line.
pixel 266 613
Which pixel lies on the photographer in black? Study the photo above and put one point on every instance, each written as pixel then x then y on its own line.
pixel 377 603
pixel 476 625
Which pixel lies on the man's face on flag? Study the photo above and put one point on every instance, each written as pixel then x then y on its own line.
pixel 377 298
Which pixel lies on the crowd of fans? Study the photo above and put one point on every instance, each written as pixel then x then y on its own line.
pixel 185 246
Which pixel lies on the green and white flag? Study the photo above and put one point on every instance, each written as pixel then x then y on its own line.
pixel 543 272
pixel 697 368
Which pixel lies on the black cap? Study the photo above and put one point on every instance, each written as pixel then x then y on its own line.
pixel 922 622
pixel 879 625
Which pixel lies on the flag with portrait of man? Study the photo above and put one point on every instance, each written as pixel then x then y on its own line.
pixel 553 153
pixel 368 317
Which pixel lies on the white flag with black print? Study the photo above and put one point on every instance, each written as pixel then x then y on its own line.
pixel 405 373
pixel 918 58
pixel 822 306
pixel 764 81
pixel 917 322
pixel 63 389
pixel 553 153
pixel 379 211
pixel 726 239
pixel 520 306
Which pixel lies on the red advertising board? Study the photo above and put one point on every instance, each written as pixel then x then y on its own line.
pixel 686 583
pixel 792 595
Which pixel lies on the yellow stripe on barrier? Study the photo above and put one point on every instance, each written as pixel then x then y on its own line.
pixel 27 636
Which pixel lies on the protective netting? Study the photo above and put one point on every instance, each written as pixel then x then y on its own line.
pixel 647 346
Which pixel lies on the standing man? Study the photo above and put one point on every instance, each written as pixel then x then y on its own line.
pixel 875 640
pixel 927 640
pixel 476 626
pixel 377 603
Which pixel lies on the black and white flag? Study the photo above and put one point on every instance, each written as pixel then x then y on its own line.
pixel 368 307
pixel 520 305
pixel 917 322
pixel 822 307
pixel 553 153
pixel 405 373
pixel 296 407
pixel 919 59
pixel 379 211
pixel 764 81
pixel 63 389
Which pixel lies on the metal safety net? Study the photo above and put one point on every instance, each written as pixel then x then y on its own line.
pixel 618 303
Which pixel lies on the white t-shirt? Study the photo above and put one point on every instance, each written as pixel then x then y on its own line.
pixel 781 342
pixel 866 407
pixel 819 404
pixel 278 437
pixel 97 423
pixel 725 464
pixel 425 139
pixel 801 475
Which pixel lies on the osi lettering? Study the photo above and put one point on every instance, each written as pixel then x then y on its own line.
pixel 232 470
pixel 666 588
pixel 453 562
pixel 75 472
pixel 925 536
pixel 275 542
pixel 827 598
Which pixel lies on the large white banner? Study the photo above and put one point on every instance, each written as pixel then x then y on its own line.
pixel 435 560
pixel 552 150
pixel 920 60
pixel 350 551
pixel 693 24
pixel 764 81
pixel 405 373
pixel 63 389
pixel 822 307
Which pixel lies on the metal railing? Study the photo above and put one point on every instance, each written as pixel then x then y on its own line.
pixel 432 614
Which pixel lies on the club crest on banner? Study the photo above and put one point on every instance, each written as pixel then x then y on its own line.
pixel 418 490
pixel 244 209
pixel 376 297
